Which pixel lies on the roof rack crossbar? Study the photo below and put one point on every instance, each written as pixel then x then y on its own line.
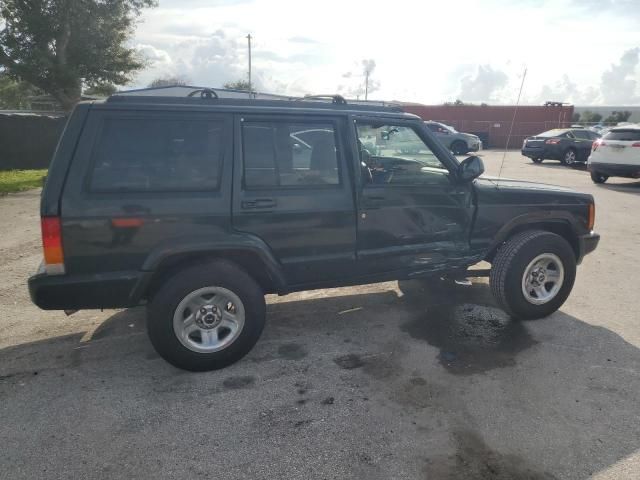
pixel 204 93
pixel 336 99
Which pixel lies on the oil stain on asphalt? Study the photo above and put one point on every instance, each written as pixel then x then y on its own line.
pixel 474 459
pixel 236 383
pixel 471 338
pixel 292 351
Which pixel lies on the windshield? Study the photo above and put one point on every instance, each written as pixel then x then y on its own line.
pixel 450 128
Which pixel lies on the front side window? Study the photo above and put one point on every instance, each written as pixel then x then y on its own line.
pixel 157 155
pixel 396 155
pixel 284 154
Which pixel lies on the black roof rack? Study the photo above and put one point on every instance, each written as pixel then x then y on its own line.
pixel 336 99
pixel 204 93
pixel 203 96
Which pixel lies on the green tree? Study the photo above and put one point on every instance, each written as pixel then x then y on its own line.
pixel 167 82
pixel 101 90
pixel 618 116
pixel 237 85
pixel 15 94
pixel 56 45
pixel 590 117
pixel 575 118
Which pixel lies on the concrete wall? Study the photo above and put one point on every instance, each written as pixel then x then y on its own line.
pixel 27 139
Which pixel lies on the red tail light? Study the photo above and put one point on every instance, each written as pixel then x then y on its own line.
pixel 552 141
pixel 637 144
pixel 52 245
pixel 596 144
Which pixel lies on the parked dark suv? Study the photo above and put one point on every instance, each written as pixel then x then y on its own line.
pixel 198 207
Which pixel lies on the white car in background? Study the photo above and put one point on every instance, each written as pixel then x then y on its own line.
pixel 616 154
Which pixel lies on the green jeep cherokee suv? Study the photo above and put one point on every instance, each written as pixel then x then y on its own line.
pixel 199 206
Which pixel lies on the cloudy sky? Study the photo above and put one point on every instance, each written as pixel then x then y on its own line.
pixel 582 51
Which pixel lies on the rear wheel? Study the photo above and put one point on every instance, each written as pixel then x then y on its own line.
pixel 532 274
pixel 569 158
pixel 537 160
pixel 598 177
pixel 459 148
pixel 206 317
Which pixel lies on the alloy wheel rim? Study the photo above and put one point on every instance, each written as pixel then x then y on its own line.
pixel 570 157
pixel 542 279
pixel 209 319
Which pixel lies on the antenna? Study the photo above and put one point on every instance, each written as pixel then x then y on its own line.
pixel 513 120
pixel 249 44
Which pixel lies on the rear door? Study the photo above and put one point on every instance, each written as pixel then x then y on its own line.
pixel 583 142
pixel 292 188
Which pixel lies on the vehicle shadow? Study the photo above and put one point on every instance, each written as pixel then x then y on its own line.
pixel 419 364
pixel 628 187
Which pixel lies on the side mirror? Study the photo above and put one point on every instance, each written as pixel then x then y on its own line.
pixel 470 168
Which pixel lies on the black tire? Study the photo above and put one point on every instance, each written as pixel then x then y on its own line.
pixel 218 273
pixel 598 177
pixel 459 147
pixel 509 266
pixel 569 157
pixel 537 160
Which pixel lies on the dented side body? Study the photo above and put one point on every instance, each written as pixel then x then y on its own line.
pixel 118 248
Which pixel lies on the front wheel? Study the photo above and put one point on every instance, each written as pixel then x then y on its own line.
pixel 206 317
pixel 532 274
pixel 459 148
pixel 599 177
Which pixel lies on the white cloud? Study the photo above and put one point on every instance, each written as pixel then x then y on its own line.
pixel 299 49
pixel 483 86
pixel 618 84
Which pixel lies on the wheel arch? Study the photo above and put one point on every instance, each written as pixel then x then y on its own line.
pixel 247 253
pixel 560 226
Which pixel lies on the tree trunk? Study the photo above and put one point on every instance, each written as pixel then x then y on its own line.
pixel 68 97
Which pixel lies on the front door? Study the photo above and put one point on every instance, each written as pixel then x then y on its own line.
pixel 293 190
pixel 413 214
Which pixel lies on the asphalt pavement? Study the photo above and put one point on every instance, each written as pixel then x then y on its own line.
pixel 398 380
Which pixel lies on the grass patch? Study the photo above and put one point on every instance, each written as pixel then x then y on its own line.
pixel 19 180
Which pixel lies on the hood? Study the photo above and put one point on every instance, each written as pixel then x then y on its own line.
pixel 492 190
pixel 509 183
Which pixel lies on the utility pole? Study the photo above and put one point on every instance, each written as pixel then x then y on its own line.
pixel 366 84
pixel 249 42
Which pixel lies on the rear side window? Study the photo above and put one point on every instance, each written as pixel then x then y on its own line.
pixel 581 134
pixel 157 155
pixel 628 135
pixel 283 154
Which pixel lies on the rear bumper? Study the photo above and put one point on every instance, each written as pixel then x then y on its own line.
pixel 534 152
pixel 587 244
pixel 75 292
pixel 615 169
pixel 549 152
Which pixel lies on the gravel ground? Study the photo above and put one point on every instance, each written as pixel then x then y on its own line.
pixel 378 382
